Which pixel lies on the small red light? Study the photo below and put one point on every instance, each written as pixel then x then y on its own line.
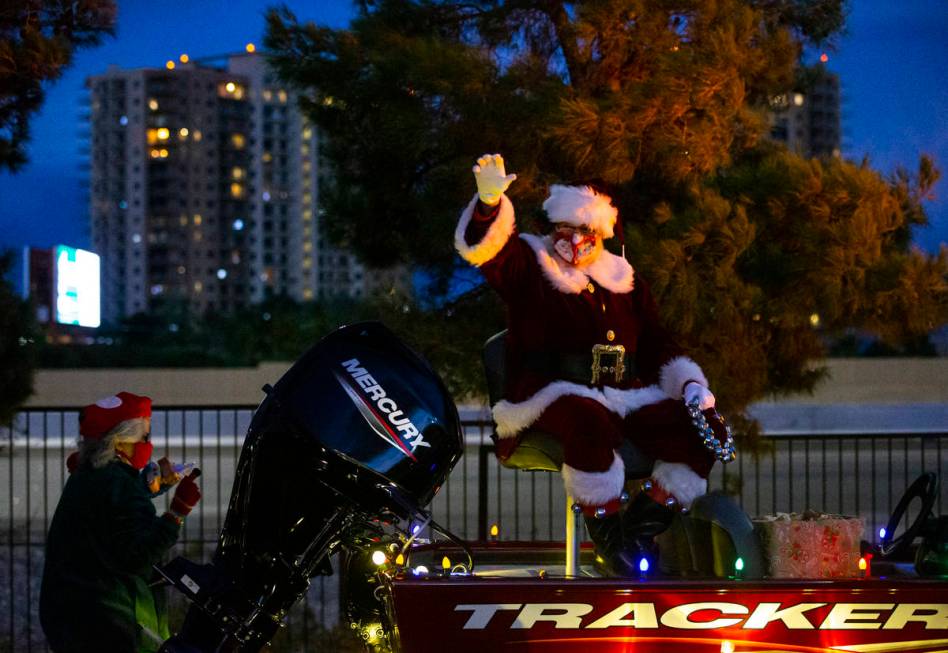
pixel 824 58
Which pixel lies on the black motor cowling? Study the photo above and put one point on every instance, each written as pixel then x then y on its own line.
pixel 359 426
pixel 367 398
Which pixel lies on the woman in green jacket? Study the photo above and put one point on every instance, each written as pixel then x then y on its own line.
pixel 106 535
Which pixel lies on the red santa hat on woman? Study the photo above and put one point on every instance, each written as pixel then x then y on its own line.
pixel 581 206
pixel 96 420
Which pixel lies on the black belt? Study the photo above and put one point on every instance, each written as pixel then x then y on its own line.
pixel 603 365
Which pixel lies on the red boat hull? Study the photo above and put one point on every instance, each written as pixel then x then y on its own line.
pixel 461 614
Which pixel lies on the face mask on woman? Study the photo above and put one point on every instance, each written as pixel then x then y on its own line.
pixel 140 452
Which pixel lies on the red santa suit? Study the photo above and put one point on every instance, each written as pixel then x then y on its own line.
pixel 557 313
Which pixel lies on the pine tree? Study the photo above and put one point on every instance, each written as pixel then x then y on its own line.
pixel 755 253
pixel 18 335
pixel 37 39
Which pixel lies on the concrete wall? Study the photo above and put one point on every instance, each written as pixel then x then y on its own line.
pixel 852 381
pixel 239 386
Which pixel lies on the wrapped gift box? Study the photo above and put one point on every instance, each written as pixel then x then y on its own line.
pixel 810 545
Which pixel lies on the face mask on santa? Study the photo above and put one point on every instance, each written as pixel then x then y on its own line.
pixel 576 245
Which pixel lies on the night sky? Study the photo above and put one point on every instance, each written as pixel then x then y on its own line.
pixel 892 64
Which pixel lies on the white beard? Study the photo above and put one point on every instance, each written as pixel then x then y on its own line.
pixel 564 249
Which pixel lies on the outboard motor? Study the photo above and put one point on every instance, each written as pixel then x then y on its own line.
pixel 359 431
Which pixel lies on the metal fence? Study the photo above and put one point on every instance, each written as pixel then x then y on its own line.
pixel 842 473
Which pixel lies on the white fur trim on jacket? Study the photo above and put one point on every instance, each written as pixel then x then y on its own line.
pixel 594 488
pixel 511 418
pixel 679 480
pixel 493 241
pixel 676 372
pixel 612 272
pixel 581 206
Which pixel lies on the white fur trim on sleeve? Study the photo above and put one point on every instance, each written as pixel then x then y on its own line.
pixel 594 488
pixel 493 241
pixel 675 372
pixel 624 402
pixel 679 480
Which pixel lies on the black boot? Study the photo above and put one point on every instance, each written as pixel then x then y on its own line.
pixel 642 520
pixel 607 535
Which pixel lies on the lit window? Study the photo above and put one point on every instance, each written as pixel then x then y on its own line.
pixel 198 219
pixel 236 190
pixel 267 95
pixel 282 95
pixel 307 198
pixel 307 293
pixel 198 286
pixel 238 141
pixel 198 236
pixel 163 153
pixel 155 153
pixel 182 269
pixel 307 263
pixel 238 225
pixel 231 90
pixel 123 120
pixel 163 133
pixel 237 173
pixel 307 133
pixel 307 166
pixel 222 274
pixel 304 149
pixel 184 58
pixel 153 104
pixel 136 238
pixel 197 134
pixel 798 99
pixel 307 247
pixel 267 157
pixel 183 132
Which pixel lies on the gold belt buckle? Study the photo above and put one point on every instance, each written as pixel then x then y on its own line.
pixel 617 369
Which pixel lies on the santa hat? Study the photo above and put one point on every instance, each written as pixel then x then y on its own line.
pixel 581 206
pixel 96 420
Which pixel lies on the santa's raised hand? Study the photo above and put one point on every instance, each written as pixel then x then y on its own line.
pixel 492 180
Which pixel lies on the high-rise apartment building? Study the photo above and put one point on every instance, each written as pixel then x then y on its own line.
pixel 205 191
pixel 809 122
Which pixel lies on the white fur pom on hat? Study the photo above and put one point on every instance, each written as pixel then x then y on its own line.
pixel 581 206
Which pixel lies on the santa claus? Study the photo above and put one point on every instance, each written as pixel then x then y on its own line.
pixel 589 362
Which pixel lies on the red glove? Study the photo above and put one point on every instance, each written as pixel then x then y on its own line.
pixel 186 496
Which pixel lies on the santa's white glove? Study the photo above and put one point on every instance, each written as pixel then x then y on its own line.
pixel 492 180
pixel 697 393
